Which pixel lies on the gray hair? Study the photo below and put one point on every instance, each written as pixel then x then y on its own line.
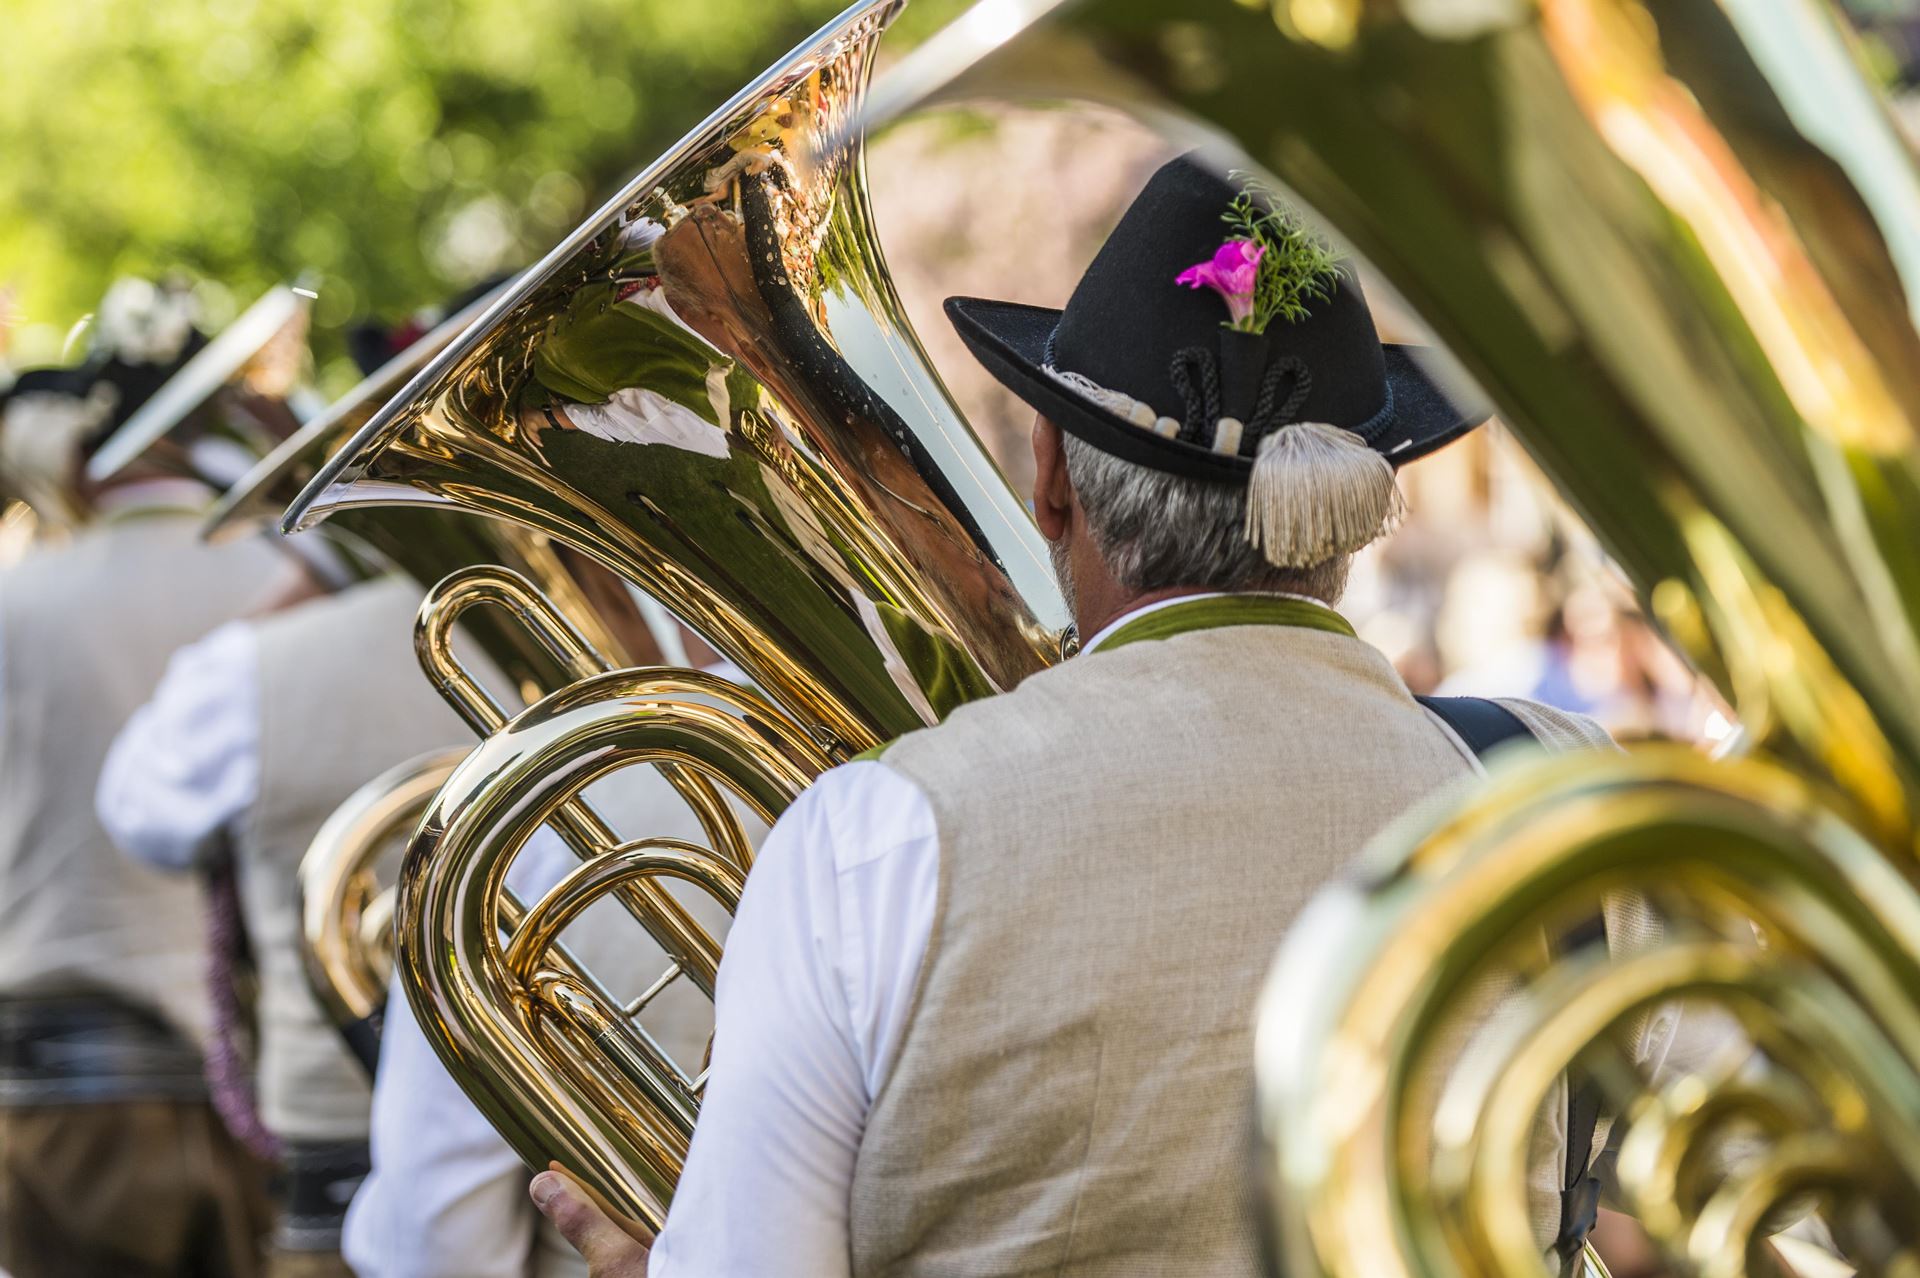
pixel 1157 531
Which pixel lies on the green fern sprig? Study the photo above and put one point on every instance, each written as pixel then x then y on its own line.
pixel 1298 266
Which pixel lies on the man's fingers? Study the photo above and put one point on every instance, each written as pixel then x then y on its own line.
pixel 637 1231
pixel 610 1251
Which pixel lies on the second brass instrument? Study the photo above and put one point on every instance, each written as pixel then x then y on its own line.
pixel 232 403
pixel 711 389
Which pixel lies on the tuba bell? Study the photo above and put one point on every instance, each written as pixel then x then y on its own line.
pixel 1683 264
pixel 427 543
pixel 710 388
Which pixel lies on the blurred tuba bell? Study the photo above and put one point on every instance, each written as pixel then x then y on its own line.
pixel 710 388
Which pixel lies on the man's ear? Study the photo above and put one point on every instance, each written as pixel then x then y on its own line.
pixel 1052 490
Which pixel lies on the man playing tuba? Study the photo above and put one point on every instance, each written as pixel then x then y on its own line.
pixel 986 1005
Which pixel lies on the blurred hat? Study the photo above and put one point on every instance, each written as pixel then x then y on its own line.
pixel 51 418
pixel 372 343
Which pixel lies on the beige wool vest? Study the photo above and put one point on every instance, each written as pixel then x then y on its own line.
pixel 1123 840
pixel 85 633
pixel 342 699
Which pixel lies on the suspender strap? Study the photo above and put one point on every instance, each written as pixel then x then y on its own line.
pixel 1485 725
pixel 1482 724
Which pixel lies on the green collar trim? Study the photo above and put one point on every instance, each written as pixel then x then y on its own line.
pixel 1216 612
pixel 1221 611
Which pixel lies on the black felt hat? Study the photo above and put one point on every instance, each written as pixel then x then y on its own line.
pixel 73 382
pixel 83 384
pixel 1145 368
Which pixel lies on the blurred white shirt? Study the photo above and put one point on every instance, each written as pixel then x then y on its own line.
pixel 131 499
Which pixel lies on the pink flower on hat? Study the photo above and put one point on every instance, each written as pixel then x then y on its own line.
pixel 1233 274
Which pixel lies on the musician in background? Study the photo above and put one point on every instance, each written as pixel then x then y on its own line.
pixel 986 1007
pixel 252 739
pixel 112 1164
pixel 254 736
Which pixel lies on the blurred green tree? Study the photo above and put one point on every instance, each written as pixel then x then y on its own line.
pixel 399 149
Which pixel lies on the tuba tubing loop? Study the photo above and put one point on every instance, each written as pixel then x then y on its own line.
pixel 451 911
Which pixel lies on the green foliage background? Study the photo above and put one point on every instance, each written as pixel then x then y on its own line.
pixel 246 141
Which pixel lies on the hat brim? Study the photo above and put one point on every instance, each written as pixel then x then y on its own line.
pixel 1010 340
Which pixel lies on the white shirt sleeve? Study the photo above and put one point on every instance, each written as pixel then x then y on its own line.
pixel 812 1002
pixel 188 762
pixel 447 1197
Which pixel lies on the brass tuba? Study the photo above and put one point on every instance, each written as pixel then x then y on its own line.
pixel 346 913
pixel 710 388
pixel 346 910
pixel 1679 244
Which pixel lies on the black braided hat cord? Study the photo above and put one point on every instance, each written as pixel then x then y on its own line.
pixel 1195 373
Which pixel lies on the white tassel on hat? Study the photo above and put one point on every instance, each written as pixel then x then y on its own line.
pixel 1316 490
pixel 1319 491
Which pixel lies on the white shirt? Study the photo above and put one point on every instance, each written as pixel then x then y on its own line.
pixel 447 1197
pixel 811 1005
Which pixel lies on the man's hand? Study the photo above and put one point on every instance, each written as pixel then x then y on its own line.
pixel 612 1250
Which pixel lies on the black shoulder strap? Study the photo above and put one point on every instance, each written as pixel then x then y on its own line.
pixel 1485 725
pixel 1481 723
pixel 363 1038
